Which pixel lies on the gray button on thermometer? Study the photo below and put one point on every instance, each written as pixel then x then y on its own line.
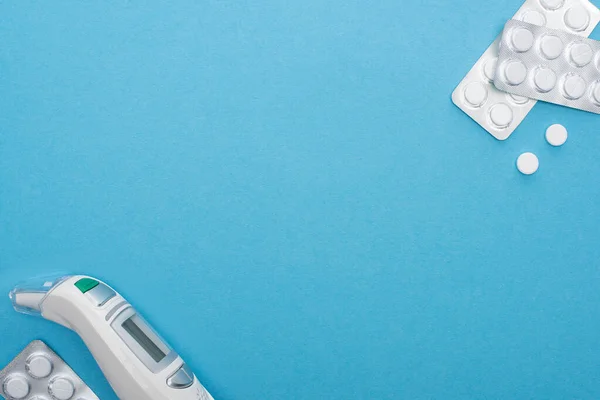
pixel 100 295
pixel 184 377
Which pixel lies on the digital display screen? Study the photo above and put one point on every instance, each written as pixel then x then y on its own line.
pixel 135 327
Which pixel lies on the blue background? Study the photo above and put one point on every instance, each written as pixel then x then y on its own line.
pixel 287 193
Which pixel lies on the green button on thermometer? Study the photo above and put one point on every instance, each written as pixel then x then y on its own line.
pixel 86 284
pixel 136 361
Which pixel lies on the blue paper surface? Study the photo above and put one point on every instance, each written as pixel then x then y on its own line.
pixel 285 190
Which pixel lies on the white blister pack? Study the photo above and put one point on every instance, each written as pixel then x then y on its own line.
pixel 498 112
pixel 38 373
pixel 549 65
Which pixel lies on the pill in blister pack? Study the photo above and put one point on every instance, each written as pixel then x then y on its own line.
pixel 38 373
pixel 549 65
pixel 498 112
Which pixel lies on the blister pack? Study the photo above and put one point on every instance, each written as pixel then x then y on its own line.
pixel 549 65
pixel 498 112
pixel 38 373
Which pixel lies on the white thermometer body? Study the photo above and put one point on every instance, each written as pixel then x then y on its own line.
pixel 136 361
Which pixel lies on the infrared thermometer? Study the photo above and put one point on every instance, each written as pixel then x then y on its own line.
pixel 136 361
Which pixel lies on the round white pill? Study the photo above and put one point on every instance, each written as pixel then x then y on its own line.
pixel 515 72
pixel 544 79
pixel 489 69
pixel 476 94
pixel 16 387
pixel 528 163
pixel 581 54
pixel 520 100
pixel 522 39
pixel 577 18
pixel 552 4
pixel 574 86
pixel 501 115
pixel 61 388
pixel 38 366
pixel 556 135
pixel 596 93
pixel 534 17
pixel 551 46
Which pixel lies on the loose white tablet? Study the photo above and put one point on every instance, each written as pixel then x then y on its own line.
pixel 556 135
pixel 528 163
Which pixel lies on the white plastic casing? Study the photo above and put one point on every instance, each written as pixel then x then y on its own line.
pixel 130 378
pixel 498 112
